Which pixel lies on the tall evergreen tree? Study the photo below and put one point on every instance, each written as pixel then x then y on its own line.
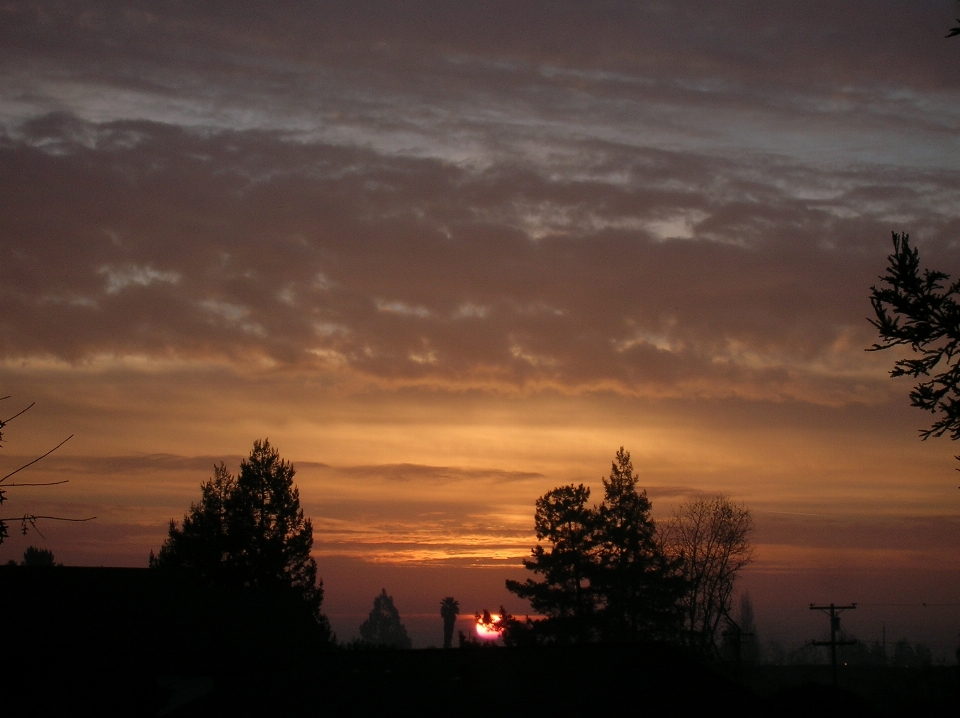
pixel 201 546
pixel 920 309
pixel 604 574
pixel 564 556
pixel 269 536
pixel 249 531
pixel 383 626
pixel 638 586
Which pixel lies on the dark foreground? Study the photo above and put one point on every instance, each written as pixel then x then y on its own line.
pixel 546 681
pixel 94 642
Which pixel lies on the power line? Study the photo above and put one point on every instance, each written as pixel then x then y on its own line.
pixel 909 605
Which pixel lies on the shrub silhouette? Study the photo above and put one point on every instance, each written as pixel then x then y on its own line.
pixel 34 556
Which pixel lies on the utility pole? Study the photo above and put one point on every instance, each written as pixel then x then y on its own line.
pixel 735 635
pixel 834 612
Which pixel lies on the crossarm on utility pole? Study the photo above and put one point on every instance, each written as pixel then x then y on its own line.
pixel 834 612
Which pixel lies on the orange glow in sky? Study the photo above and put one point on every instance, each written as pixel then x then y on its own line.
pixel 446 260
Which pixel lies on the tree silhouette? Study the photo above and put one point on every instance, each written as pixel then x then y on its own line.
pixel 639 586
pixel 34 556
pixel 750 641
pixel 249 531
pixel 921 310
pixel 604 575
pixel 906 655
pixel 383 626
pixel 206 545
pixel 709 536
pixel 564 556
pixel 449 610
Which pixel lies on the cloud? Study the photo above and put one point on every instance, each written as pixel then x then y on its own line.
pixel 660 203
pixel 441 474
pixel 765 297
pixel 126 465
pixel 853 532
pixel 397 513
pixel 120 278
pixel 404 310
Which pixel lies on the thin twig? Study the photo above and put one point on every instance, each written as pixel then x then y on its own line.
pixel 47 483
pixel 7 421
pixel 33 522
pixel 31 517
pixel 38 458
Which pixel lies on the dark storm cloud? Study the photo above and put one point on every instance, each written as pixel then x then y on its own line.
pixel 623 196
pixel 733 40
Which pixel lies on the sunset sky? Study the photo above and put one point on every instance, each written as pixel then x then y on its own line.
pixel 450 255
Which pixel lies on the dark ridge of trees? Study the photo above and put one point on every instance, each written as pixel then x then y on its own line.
pixel 383 627
pixel 920 310
pixel 605 576
pixel 249 532
pixel 610 574
pixel 127 639
pixel 449 610
pixel 902 654
pixel 908 655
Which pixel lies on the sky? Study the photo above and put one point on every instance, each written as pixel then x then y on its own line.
pixel 447 256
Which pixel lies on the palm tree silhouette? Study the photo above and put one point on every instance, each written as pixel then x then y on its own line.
pixel 449 610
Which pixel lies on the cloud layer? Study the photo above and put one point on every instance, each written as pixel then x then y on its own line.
pixel 435 198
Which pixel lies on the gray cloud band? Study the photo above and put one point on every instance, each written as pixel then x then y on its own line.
pixel 421 207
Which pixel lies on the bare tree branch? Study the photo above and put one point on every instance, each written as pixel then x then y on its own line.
pixel 38 458
pixel 34 517
pixel 45 483
pixel 30 519
pixel 4 422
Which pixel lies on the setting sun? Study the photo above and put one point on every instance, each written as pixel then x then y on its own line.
pixel 489 630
